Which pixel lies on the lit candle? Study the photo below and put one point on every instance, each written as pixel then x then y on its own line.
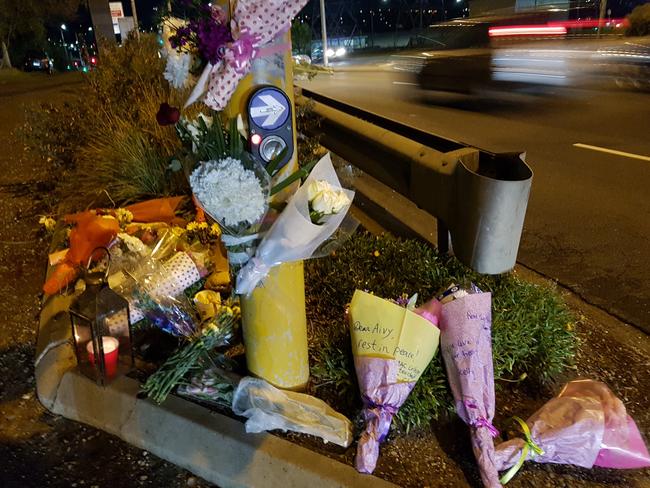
pixel 110 346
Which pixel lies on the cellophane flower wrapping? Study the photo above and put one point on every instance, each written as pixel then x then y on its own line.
pixel 154 290
pixel 293 236
pixel 466 343
pixel 269 408
pixel 391 346
pixel 159 296
pixel 585 425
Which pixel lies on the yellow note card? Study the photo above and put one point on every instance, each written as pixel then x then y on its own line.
pixel 383 329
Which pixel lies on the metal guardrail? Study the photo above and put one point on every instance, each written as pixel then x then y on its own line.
pixel 479 197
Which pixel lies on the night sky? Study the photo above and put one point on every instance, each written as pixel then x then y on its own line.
pixel 148 12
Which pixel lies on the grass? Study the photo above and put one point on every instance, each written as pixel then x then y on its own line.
pixel 130 161
pixel 532 327
pixel 106 147
pixel 12 74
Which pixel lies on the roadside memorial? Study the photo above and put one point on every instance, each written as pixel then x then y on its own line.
pixel 215 287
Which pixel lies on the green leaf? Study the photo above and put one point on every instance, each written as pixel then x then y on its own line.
pixel 295 176
pixel 272 167
pixel 236 141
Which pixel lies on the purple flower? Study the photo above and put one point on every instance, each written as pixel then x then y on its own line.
pixel 211 38
pixel 167 115
pixel 180 39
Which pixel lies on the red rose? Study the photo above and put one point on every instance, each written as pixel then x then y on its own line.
pixel 167 115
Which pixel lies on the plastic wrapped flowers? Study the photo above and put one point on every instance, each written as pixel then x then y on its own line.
pixel 392 345
pixel 229 192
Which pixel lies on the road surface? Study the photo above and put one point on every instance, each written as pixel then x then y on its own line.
pixel 588 219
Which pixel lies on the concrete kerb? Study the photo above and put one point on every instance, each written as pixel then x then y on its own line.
pixel 208 444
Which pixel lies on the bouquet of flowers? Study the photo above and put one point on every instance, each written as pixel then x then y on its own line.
pixel 194 356
pixel 585 425
pixel 157 291
pixel 466 343
pixel 224 47
pixel 311 216
pixel 392 345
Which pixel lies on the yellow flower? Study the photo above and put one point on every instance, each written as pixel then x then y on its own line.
pixel 123 216
pixel 178 231
pixel 192 226
pixel 48 222
pixel 376 254
pixel 215 230
pixel 203 226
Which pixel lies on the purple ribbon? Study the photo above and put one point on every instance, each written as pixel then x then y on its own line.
pixel 483 422
pixel 378 418
pixel 242 51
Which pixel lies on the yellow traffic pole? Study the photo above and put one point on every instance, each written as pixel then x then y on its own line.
pixel 273 317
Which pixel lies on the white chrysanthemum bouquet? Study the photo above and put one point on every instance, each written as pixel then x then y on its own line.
pixel 235 190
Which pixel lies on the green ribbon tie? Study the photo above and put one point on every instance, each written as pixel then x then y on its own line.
pixel 528 447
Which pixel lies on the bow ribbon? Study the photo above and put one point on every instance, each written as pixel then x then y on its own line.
pixel 482 422
pixel 378 419
pixel 528 447
pixel 241 52
pixel 258 23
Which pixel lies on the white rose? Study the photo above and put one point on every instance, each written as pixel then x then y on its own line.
pixel 324 202
pixel 315 187
pixel 340 202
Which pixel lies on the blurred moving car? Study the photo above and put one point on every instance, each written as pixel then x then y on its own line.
pixel 489 55
pixel 332 53
pixel 43 64
pixel 628 64
pixel 506 69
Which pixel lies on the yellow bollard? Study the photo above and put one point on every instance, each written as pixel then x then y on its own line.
pixel 275 328
pixel 273 317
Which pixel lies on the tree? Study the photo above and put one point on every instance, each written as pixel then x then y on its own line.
pixel 28 19
pixel 301 37
pixel 639 21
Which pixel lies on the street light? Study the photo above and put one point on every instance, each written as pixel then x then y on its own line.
pixel 62 28
pixel 323 30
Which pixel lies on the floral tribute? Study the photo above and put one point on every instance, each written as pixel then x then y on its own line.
pixel 185 262
pixel 170 270
pixel 392 344
pixel 224 49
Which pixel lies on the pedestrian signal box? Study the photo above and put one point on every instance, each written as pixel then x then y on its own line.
pixel 270 125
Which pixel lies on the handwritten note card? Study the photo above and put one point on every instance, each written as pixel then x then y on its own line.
pixel 383 329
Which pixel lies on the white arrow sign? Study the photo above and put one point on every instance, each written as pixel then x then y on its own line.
pixel 272 110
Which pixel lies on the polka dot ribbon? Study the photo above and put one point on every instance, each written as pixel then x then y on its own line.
pixel 254 24
pixel 528 447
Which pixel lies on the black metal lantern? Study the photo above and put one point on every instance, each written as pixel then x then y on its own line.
pixel 101 330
